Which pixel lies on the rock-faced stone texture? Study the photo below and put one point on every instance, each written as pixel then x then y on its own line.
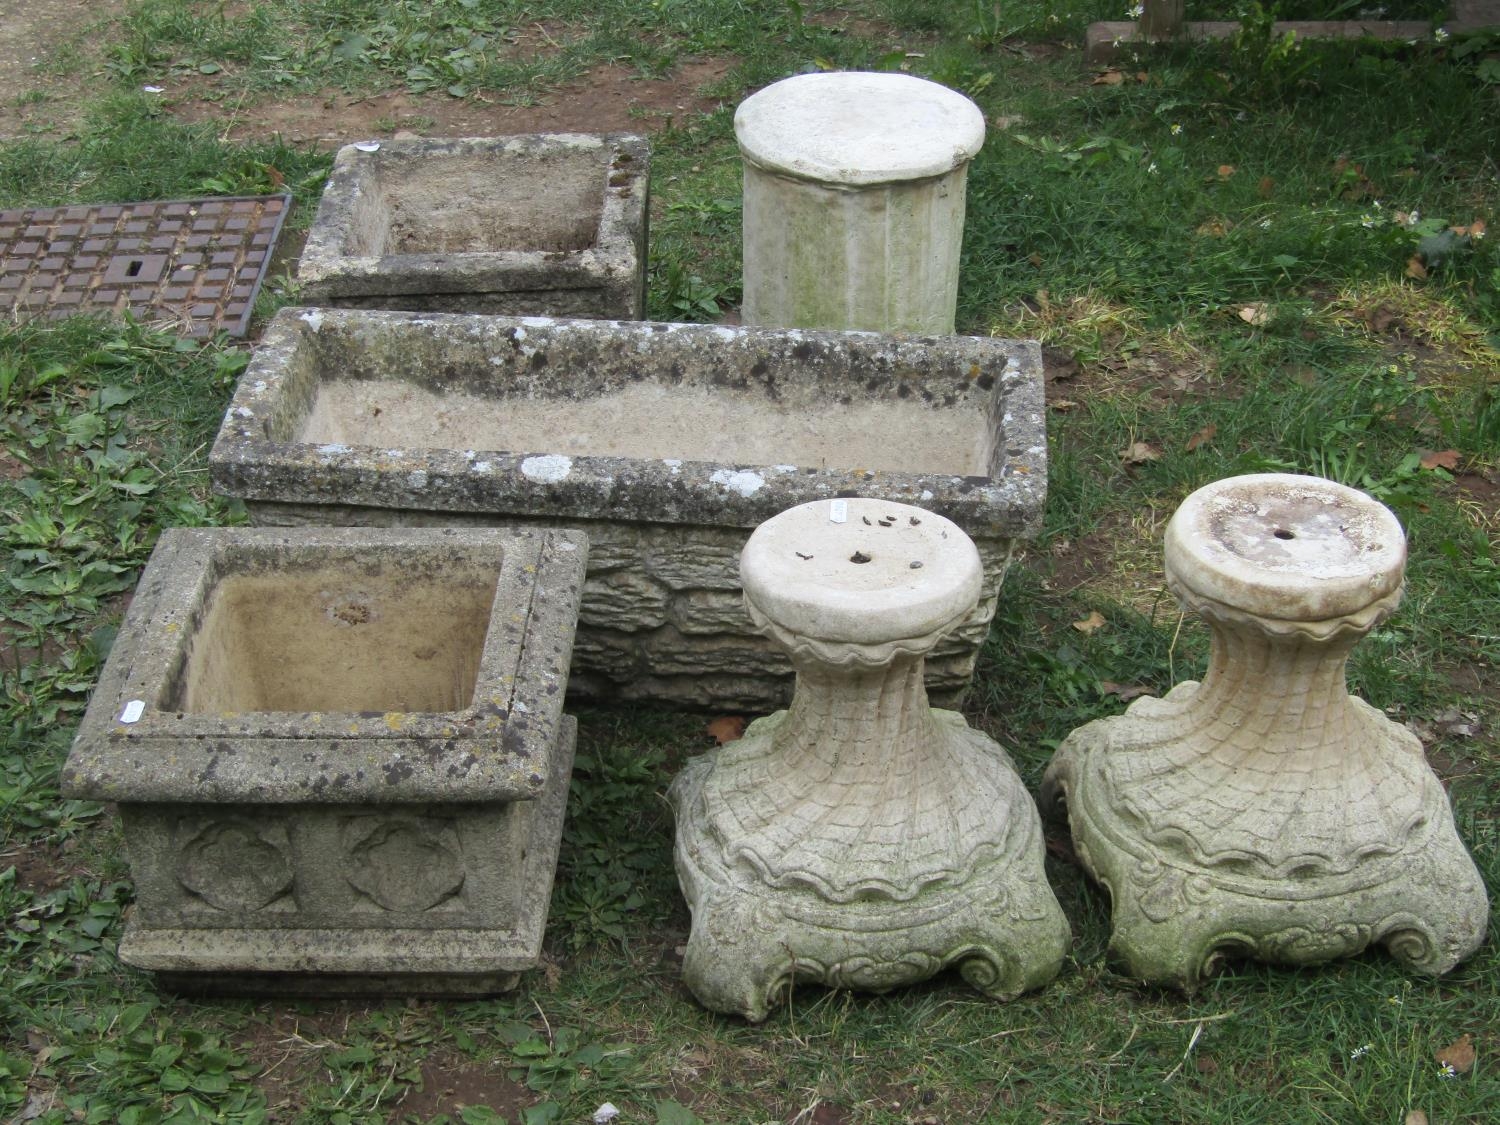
pixel 1266 812
pixel 551 223
pixel 860 839
pixel 340 755
pixel 854 201
pixel 666 443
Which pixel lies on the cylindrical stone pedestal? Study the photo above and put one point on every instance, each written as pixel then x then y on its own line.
pixel 860 839
pixel 1266 812
pixel 854 201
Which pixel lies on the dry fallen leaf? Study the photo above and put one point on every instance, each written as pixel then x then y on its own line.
pixel 1213 228
pixel 1265 187
pixel 1441 459
pixel 1090 624
pixel 1126 692
pixel 1415 269
pixel 1063 405
pixel 1415 1117
pixel 726 728
pixel 1459 1055
pixel 1202 437
pixel 1225 171
pixel 1109 78
pixel 1139 452
pixel 1256 314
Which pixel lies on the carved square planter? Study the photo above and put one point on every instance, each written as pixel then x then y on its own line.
pixel 339 755
pixel 551 223
pixel 666 443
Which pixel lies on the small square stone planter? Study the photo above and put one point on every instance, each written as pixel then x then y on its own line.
pixel 551 223
pixel 666 443
pixel 339 755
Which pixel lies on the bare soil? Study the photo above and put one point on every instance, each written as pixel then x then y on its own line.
pixel 31 34
pixel 608 99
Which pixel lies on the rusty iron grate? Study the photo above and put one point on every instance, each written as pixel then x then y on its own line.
pixel 197 263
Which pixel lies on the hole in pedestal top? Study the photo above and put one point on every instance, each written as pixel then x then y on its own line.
pixel 1283 533
pixel 376 634
pixel 860 557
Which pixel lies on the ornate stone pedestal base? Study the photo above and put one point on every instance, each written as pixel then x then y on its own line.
pixel 1266 812
pixel 860 838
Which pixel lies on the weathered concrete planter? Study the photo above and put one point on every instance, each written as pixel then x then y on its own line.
pixel 551 224
pixel 339 755
pixel 666 443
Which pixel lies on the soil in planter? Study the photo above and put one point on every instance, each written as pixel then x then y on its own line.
pixel 339 639
pixel 477 204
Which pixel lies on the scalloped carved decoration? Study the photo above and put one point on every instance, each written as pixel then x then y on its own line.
pixel 407 865
pixel 235 865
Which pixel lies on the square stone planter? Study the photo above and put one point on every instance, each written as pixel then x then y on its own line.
pixel 339 755
pixel 666 443
pixel 552 224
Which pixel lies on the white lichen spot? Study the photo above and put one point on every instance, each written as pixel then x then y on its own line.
pixel 313 319
pixel 538 321
pixel 520 706
pixel 417 479
pixel 260 385
pixel 567 545
pixel 724 333
pixel 785 468
pixel 395 453
pixel 674 464
pixel 332 449
pixel 480 467
pixel 744 482
pixel 242 412
pixel 497 361
pixel 549 468
pixel 926 495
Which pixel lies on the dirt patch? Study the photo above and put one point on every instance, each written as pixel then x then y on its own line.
pixel 450 1083
pixel 607 99
pixel 32 32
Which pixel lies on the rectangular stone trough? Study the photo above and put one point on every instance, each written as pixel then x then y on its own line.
pixel 666 443
pixel 339 755
pixel 551 224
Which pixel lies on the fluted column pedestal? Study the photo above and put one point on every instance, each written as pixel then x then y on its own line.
pixel 860 838
pixel 1266 812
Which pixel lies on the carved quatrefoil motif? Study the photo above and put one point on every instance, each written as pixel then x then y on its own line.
pixel 235 865
pixel 407 865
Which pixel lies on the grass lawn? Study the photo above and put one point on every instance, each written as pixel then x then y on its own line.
pixel 1249 257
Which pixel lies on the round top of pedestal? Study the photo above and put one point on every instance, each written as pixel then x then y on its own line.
pixel 855 129
pixel 1287 547
pixel 861 571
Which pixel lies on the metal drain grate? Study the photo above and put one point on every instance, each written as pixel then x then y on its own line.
pixel 196 262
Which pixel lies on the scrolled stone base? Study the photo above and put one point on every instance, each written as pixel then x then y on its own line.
pixel 1175 919
pixel 1000 926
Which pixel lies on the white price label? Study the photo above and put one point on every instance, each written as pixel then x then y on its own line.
pixel 133 711
pixel 838 511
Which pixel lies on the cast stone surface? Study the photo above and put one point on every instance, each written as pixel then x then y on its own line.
pixel 339 755
pixel 666 443
pixel 854 201
pixel 1266 812
pixel 860 839
pixel 548 223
